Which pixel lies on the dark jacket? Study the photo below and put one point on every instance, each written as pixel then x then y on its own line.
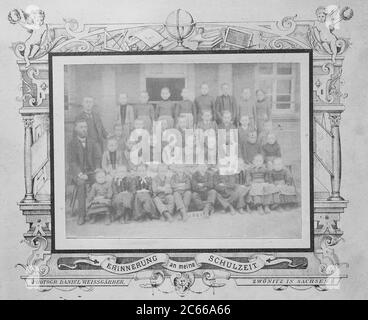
pixel 225 184
pixel 204 102
pixel 249 151
pixel 96 130
pixel 226 103
pixel 206 179
pixel 123 184
pixel 271 150
pixel 82 160
pixel 281 175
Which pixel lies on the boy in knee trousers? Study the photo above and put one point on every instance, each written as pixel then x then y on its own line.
pixel 162 193
pixel 181 186
pixel 123 194
pixel 203 192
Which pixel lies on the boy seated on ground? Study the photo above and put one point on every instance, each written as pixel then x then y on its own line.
pixel 181 186
pixel 144 207
pixel 203 192
pixel 123 188
pixel 229 193
pixel 162 193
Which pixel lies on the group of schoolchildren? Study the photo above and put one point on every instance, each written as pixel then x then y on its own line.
pixel 125 192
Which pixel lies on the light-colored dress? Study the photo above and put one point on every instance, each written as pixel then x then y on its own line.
pixel 283 181
pixel 261 191
pixel 99 206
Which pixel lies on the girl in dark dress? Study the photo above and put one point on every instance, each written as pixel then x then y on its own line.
pixel 261 191
pixel 271 149
pixel 123 194
pixel 262 110
pixel 283 182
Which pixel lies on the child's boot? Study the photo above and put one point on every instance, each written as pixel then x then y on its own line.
pixel 81 220
pixel 206 212
pixel 123 219
pixel 260 210
pixel 107 219
pixel 184 215
pixel 274 206
pixel 232 210
pixel 167 216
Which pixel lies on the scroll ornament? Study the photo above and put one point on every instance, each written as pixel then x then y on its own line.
pixel 110 264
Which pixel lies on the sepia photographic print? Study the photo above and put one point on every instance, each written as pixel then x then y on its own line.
pixel 230 142
pixel 183 150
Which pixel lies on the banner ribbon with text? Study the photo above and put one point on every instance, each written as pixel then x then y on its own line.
pixel 109 263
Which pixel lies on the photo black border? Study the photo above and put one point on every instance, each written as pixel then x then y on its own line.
pixel 167 250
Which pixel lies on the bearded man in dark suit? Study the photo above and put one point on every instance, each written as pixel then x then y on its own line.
pixel 96 130
pixel 85 158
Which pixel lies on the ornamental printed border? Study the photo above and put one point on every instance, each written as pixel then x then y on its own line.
pixel 175 272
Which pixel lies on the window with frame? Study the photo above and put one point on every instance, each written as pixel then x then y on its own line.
pixel 154 86
pixel 278 81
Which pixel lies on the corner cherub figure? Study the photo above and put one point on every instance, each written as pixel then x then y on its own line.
pixel 323 30
pixel 33 20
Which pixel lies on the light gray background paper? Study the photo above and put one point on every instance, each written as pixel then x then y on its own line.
pixel 354 221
